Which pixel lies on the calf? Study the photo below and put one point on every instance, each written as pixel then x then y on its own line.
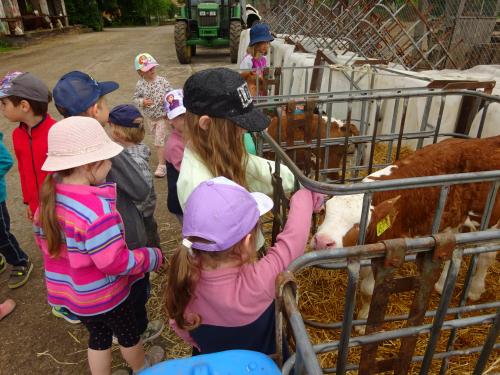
pixel 410 213
pixel 252 79
pixel 300 127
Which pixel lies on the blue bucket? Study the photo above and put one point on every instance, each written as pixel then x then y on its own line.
pixel 230 362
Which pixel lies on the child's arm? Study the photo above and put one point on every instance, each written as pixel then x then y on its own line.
pixel 5 159
pixel 128 177
pixel 22 177
pixel 138 97
pixel 106 246
pixel 246 62
pixel 290 243
pixel 259 175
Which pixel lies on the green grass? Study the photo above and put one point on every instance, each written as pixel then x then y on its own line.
pixel 6 47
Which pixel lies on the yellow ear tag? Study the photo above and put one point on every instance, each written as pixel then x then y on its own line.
pixel 383 225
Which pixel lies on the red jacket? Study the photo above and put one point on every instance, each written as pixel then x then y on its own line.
pixel 31 152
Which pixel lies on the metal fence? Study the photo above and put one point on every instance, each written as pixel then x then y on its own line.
pixel 383 117
pixel 425 34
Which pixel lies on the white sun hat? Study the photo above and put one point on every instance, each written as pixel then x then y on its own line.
pixel 77 141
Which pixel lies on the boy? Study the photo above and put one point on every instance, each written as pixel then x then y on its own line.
pixel 77 93
pixel 24 98
pixel 127 128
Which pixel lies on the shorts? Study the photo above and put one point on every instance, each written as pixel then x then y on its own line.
pixel 160 129
pixel 121 322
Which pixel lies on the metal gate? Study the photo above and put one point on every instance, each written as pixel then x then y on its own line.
pixel 389 257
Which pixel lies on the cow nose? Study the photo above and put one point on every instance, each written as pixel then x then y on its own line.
pixel 323 241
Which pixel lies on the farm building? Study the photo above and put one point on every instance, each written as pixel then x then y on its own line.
pixel 19 16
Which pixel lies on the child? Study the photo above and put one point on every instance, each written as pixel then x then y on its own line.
pixel 9 247
pixel 149 93
pixel 219 110
pixel 218 296
pixel 255 58
pixel 127 128
pixel 89 268
pixel 78 93
pixel 174 148
pixel 24 99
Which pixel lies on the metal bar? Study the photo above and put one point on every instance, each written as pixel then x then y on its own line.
pixel 443 195
pixel 488 346
pixel 444 302
pixel 350 301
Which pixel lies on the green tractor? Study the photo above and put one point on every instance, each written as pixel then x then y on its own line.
pixel 208 23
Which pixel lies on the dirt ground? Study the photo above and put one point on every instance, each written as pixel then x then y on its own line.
pixel 32 339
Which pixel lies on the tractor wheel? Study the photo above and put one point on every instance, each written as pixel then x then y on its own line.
pixel 234 40
pixel 193 50
pixel 181 48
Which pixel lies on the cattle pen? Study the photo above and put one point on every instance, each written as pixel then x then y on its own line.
pixel 410 329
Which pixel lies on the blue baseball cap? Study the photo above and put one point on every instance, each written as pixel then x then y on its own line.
pixel 125 115
pixel 76 91
pixel 260 33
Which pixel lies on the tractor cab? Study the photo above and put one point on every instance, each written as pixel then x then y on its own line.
pixel 208 23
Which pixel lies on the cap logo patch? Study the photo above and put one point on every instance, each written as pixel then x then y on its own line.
pixel 244 94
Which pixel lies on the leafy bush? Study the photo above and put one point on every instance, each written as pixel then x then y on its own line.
pixel 84 12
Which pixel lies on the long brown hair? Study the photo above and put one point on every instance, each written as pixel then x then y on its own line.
pixel 184 273
pixel 220 147
pixel 48 216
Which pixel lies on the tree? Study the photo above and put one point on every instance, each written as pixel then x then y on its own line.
pixel 84 12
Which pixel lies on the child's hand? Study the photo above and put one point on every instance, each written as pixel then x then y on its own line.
pixel 29 214
pixel 318 201
pixel 147 102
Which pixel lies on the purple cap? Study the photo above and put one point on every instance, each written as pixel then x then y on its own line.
pixel 222 212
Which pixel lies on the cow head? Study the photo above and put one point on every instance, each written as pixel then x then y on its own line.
pixel 343 215
pixel 251 79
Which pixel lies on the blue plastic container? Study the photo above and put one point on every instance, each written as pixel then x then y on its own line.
pixel 230 362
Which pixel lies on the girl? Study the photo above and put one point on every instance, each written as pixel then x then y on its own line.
pixel 255 58
pixel 219 110
pixel 149 93
pixel 88 268
pixel 218 296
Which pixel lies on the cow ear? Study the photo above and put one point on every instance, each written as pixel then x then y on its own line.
pixel 384 215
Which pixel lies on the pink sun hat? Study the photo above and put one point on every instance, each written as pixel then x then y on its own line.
pixel 145 62
pixel 77 141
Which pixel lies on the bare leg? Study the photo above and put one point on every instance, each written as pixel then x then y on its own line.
pixel 134 356
pixel 366 289
pixel 100 361
pixel 160 153
pixel 484 262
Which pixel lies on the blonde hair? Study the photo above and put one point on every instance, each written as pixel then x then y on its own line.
pixel 126 134
pixel 184 273
pixel 220 147
pixel 252 50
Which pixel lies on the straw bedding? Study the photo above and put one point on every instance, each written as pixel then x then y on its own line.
pixel 321 298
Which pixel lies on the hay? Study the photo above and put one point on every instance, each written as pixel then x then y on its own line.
pixel 321 298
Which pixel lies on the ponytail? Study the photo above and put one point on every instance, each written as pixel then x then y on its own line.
pixel 47 212
pixel 183 275
pixel 48 216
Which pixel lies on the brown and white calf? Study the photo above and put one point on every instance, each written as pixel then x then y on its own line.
pixel 293 128
pixel 411 212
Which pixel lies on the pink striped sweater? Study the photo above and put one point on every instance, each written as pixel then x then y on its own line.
pixel 95 269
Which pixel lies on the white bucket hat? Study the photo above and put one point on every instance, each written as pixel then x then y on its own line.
pixel 77 141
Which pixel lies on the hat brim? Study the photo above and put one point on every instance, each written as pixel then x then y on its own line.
pixel 262 39
pixel 107 87
pixel 264 203
pixel 253 121
pixel 176 112
pixel 59 163
pixel 148 67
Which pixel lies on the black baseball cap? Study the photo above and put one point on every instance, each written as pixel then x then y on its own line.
pixel 223 93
